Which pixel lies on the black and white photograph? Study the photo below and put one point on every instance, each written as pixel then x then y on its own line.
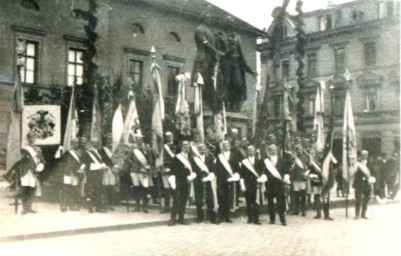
pixel 200 127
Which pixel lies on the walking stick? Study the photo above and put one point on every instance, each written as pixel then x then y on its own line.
pixel 17 175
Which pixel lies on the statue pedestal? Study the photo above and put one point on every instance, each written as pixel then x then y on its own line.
pixel 239 121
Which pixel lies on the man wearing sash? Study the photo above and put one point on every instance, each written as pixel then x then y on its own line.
pixel 205 185
pixel 94 169
pixel 316 180
pixel 29 170
pixel 72 168
pixel 277 177
pixel 181 177
pixel 227 167
pixel 169 154
pixel 299 177
pixel 252 183
pixel 363 182
pixel 110 175
pixel 140 174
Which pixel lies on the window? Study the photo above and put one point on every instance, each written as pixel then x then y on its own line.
pixel 276 67
pixel 390 8
pixel 382 9
pixel 30 58
pixel 310 106
pixel 135 71
pixel 277 107
pixel 370 54
pixel 75 67
pixel 339 101
pixel 329 21
pixel 340 60
pixel 370 98
pixel 322 23
pixel 312 64
pixel 172 84
pixel 285 66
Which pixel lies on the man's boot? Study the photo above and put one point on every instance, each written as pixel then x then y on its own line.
pixel 318 207
pixel 326 212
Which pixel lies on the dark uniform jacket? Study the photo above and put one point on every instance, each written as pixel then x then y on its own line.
pixel 313 170
pixel 274 185
pixel 168 160
pixel 69 164
pixel 221 172
pixel 298 173
pixel 209 162
pixel 361 180
pixel 250 179
pixel 181 172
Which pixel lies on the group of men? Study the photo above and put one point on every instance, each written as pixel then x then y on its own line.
pixel 215 177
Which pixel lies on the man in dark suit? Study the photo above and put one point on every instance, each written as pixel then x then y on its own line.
pixel 277 176
pixel 180 180
pixel 299 174
pixel 205 185
pixel 227 167
pixel 168 156
pixel 363 185
pixel 252 184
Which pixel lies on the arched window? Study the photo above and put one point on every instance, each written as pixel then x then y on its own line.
pixel 172 36
pixel 30 4
pixel 137 29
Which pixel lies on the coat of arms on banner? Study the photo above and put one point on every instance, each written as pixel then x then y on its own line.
pixel 44 120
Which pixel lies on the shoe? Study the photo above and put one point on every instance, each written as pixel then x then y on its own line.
pixel 199 220
pixel 249 221
pixel 364 217
pixel 228 221
pixel 101 210
pixel 271 222
pixel 257 223
pixel 24 212
pixel 356 217
pixel 317 217
pixel 183 222
pixel 294 213
pixel 145 210
pixel 284 223
pixel 165 210
pixel 171 223
pixel 111 208
pixel 328 218
pixel 31 211
pixel 90 210
pixel 217 222
pixel 63 209
pixel 137 209
pixel 303 214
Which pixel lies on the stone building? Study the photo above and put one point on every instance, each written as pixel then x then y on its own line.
pixel 362 36
pixel 127 29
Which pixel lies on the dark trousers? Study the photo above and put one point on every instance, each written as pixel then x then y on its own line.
pixel 300 201
pixel 70 197
pixel 252 208
pixel 27 197
pixel 180 197
pixel 224 199
pixel 204 194
pixel 318 204
pixel 361 199
pixel 280 199
pixel 94 188
pixel 109 195
pixel 140 193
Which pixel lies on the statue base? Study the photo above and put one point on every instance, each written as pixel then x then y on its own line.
pixel 239 121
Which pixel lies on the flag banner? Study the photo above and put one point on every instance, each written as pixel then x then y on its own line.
pixel 158 117
pixel 183 123
pixel 71 129
pixel 349 160
pixel 318 120
pixel 14 128
pixel 44 121
pixel 117 127
pixel 132 125
pixel 198 107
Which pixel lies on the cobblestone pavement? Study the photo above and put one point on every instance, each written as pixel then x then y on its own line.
pixel 380 235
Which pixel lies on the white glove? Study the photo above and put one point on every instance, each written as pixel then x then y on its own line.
pixel 287 179
pixel 40 167
pixel 210 177
pixel 191 177
pixel 242 185
pixel 95 166
pixel 236 177
pixel 167 170
pixel 171 179
pixel 262 178
pixel 372 180
pixel 313 176
pixel 230 179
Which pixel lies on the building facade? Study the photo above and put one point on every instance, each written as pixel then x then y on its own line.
pixel 362 36
pixel 127 30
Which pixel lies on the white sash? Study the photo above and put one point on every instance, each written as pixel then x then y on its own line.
pixel 169 151
pixel 141 157
pixel 299 163
pixel 107 152
pixel 32 153
pixel 317 168
pixel 194 148
pixel 272 169
pixel 225 163
pixel 94 159
pixel 201 164
pixel 74 155
pixel 249 165
pixel 184 161
pixel 364 169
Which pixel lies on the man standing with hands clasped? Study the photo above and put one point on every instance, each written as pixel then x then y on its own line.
pixel 180 181
pixel 252 183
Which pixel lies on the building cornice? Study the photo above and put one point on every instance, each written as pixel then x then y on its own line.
pixel 173 58
pixel 28 30
pixel 136 51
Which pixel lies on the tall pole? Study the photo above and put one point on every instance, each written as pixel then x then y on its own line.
pixel 300 49
pixel 347 77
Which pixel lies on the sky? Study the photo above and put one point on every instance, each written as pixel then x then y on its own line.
pixel 258 12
